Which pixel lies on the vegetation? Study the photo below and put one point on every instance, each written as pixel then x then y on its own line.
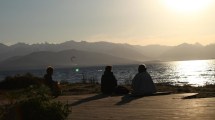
pixel 33 103
pixel 80 88
pixel 20 81
pixel 86 88
pixel 28 99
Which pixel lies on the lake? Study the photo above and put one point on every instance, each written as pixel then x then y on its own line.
pixel 193 72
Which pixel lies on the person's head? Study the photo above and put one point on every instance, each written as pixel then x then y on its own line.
pixel 49 70
pixel 108 68
pixel 141 68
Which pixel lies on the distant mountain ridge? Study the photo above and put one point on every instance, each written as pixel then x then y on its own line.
pixel 96 53
pixel 66 58
pixel 102 47
pixel 189 52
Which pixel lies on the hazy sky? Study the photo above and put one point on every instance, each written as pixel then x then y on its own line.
pixel 142 22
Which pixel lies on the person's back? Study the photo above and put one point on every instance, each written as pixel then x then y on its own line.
pixel 142 83
pixel 108 81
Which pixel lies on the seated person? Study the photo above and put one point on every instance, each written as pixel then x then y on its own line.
pixel 108 81
pixel 53 85
pixel 142 83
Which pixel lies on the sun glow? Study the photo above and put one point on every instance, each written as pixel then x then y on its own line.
pixel 188 5
pixel 193 71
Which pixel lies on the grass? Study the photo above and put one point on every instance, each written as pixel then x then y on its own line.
pixel 80 88
pixel 87 88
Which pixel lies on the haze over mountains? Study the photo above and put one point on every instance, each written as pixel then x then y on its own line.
pixel 70 53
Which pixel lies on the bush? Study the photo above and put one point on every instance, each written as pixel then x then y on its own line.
pixel 34 109
pixel 20 81
pixel 36 104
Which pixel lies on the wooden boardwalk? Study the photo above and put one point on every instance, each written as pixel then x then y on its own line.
pixel 163 107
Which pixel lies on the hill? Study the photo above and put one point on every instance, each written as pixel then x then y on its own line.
pixel 65 58
pixel 119 50
pixel 189 52
pixel 22 55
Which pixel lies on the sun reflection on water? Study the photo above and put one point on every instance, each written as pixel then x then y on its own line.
pixel 192 72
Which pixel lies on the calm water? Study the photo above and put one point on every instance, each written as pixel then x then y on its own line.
pixel 196 72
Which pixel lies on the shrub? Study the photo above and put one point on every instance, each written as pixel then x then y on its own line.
pixel 36 104
pixel 20 81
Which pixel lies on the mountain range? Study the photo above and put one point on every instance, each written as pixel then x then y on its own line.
pixel 70 53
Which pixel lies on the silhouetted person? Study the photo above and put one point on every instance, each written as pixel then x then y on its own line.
pixel 108 81
pixel 53 85
pixel 142 83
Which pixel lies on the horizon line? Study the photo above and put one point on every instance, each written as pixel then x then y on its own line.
pixel 45 42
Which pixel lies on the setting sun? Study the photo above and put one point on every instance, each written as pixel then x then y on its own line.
pixel 187 5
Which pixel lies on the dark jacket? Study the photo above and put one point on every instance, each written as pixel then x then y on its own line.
pixel 48 80
pixel 108 83
pixel 142 84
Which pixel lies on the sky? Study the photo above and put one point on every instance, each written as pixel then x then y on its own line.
pixel 136 22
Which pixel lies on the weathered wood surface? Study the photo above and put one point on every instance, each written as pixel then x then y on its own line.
pixel 163 107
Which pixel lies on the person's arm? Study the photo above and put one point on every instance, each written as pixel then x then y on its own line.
pixel 115 80
pixel 133 82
